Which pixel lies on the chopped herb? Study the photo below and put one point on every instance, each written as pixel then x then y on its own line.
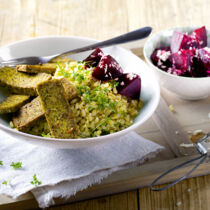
pixel 16 165
pixel 35 181
pixel 105 90
pixel 1 163
pixel 5 182
pixel 90 108
pixel 46 135
pixel 78 77
pixel 112 105
pixel 114 83
pixel 62 71
pixel 83 89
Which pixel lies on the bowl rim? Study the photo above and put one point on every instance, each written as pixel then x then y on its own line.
pixel 82 140
pixel 161 71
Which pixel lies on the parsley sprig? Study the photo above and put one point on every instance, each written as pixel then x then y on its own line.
pixel 16 165
pixel 5 182
pixel 35 181
pixel 1 163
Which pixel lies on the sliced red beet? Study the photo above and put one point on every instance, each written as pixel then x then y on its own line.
pixel 107 69
pixel 160 58
pixel 200 35
pixel 204 57
pixel 129 85
pixel 182 41
pixel 94 58
pixel 183 59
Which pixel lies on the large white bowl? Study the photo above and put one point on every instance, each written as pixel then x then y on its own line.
pixel 44 46
pixel 185 87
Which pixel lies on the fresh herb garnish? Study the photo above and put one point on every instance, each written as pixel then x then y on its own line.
pixel 16 165
pixel 78 77
pixel 62 71
pixel 90 108
pixel 114 83
pixel 5 182
pixel 1 163
pixel 35 181
pixel 98 95
pixel 46 135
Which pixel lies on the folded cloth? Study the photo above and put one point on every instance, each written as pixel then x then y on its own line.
pixel 63 172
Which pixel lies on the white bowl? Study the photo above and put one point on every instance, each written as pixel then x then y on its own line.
pixel 44 46
pixel 184 87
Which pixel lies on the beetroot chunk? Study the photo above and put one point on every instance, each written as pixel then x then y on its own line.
pixel 204 56
pixel 201 63
pixel 183 59
pixel 201 36
pixel 160 58
pixel 129 85
pixel 107 69
pixel 182 41
pixel 94 58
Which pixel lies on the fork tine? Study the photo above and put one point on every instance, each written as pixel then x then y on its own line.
pixel 26 60
pixel 8 62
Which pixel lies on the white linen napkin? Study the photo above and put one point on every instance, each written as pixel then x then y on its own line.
pixel 63 172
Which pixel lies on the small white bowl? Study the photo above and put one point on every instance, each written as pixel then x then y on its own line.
pixel 44 46
pixel 185 87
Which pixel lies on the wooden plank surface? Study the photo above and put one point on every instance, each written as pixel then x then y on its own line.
pixel 191 194
pixel 21 19
pixel 176 134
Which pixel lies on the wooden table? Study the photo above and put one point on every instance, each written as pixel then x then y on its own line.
pixel 21 19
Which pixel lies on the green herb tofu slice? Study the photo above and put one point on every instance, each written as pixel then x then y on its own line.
pixel 48 68
pixel 13 103
pixel 57 109
pixel 21 83
pixel 70 90
pixel 28 115
pixel 28 118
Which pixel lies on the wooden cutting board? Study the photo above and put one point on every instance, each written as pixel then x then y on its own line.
pixel 167 128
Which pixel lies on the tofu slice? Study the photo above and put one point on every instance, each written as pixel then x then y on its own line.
pixel 70 90
pixel 57 110
pixel 13 103
pixel 21 83
pixel 48 68
pixel 28 115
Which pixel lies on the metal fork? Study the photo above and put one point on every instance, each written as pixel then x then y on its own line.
pixel 124 38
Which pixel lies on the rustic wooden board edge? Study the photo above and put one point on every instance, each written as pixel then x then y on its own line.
pixel 121 181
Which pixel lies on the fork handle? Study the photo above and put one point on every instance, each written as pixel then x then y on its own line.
pixel 128 37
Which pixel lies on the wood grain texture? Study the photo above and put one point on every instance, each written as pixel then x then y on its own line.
pixel 102 19
pixel 122 201
pixel 190 194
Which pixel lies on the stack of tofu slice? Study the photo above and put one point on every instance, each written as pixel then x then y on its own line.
pixel 40 103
